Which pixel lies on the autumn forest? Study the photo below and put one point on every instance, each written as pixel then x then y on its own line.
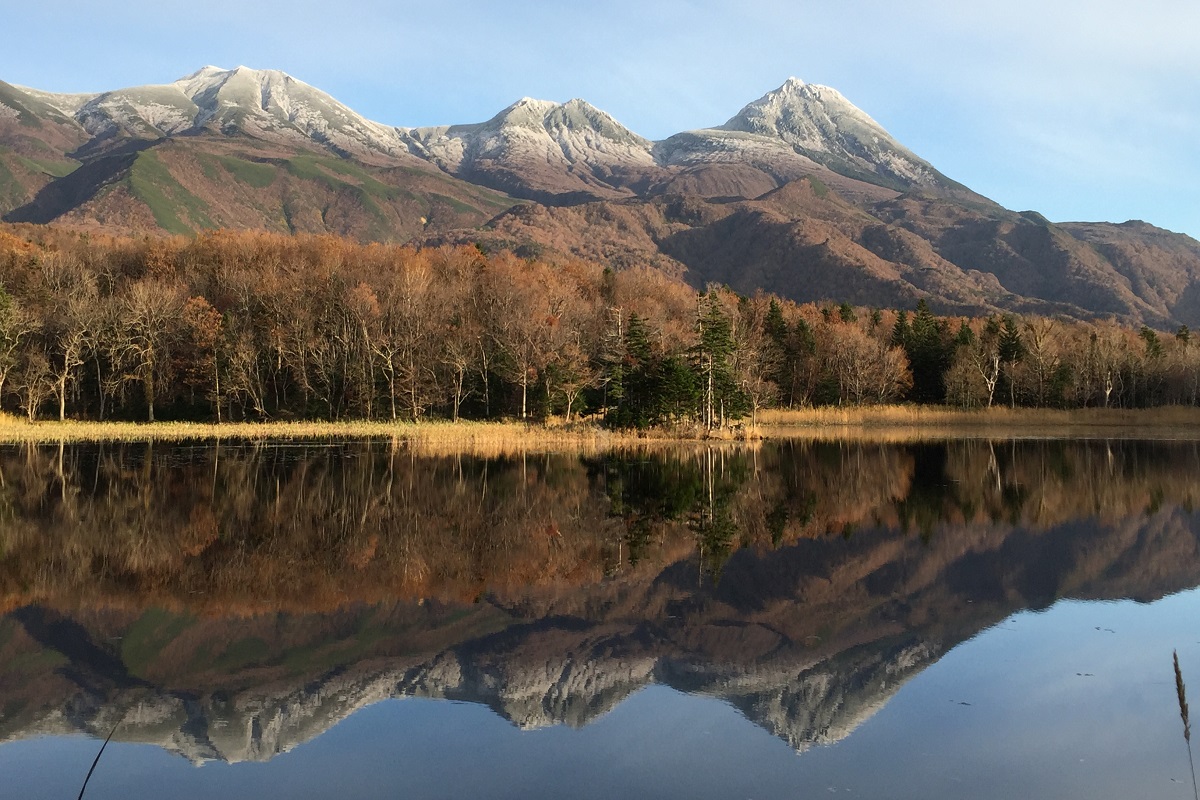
pixel 244 325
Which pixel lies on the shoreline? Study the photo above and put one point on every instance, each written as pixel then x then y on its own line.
pixel 884 423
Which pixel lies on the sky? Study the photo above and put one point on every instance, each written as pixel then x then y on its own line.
pixel 1078 109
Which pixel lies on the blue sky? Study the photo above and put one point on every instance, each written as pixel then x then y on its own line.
pixel 1080 110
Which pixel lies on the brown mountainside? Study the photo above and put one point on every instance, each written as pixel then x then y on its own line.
pixel 182 186
pixel 799 193
pixel 805 242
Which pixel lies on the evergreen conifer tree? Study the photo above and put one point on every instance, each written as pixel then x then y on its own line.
pixel 929 354
pixel 721 396
pixel 1012 351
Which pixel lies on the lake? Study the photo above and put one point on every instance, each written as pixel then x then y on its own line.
pixel 960 619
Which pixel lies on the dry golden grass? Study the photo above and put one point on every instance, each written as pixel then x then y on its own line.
pixel 489 439
pixel 434 434
pixel 886 423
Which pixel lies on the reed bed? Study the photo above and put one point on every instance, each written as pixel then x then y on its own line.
pixel 884 423
pixel 462 434
pixel 487 439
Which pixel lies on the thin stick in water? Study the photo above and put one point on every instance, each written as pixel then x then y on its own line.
pixel 96 761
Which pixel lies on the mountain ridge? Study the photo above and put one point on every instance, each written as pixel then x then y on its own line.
pixel 249 148
pixel 273 104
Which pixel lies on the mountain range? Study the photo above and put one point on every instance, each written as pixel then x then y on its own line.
pixel 800 193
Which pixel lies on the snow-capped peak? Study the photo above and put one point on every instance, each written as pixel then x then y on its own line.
pixel 820 123
pixel 208 69
pixel 532 135
pixel 262 103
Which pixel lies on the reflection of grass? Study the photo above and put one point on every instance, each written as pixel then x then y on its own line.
pixel 907 422
pixel 468 623
pixel 36 662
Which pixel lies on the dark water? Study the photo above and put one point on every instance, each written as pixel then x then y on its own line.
pixel 964 619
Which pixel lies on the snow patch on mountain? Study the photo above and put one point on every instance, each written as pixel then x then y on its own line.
pixel 534 132
pixel 65 104
pixel 145 112
pixel 272 102
pixel 716 146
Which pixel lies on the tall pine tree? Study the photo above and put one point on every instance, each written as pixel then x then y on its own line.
pixel 721 397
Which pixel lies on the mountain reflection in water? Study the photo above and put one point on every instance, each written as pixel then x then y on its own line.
pixel 229 602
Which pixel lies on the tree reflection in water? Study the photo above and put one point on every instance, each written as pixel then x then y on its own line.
pixel 272 589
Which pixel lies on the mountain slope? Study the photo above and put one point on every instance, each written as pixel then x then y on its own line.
pixel 805 242
pixel 572 152
pixel 35 139
pixel 223 148
pixel 540 150
pixel 181 186
pixel 799 193
pixel 265 104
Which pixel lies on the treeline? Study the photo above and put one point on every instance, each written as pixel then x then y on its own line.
pixel 258 326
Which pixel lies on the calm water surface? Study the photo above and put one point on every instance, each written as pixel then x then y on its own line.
pixel 944 620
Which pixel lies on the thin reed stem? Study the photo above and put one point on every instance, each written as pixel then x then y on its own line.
pixel 96 760
pixel 1181 693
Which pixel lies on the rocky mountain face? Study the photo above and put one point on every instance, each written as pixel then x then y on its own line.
pixel 870 222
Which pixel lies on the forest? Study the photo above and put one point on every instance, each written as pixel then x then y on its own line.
pixel 255 326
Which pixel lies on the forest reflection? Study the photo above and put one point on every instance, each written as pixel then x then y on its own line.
pixel 247 527
pixel 229 601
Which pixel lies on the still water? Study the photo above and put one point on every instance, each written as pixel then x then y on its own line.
pixel 939 620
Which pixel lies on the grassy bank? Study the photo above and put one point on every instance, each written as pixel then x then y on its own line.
pixel 433 435
pixel 428 438
pixel 874 422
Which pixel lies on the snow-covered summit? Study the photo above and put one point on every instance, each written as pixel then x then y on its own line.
pixel 263 103
pixel 819 122
pixel 270 101
pixel 536 135
pixel 803 113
